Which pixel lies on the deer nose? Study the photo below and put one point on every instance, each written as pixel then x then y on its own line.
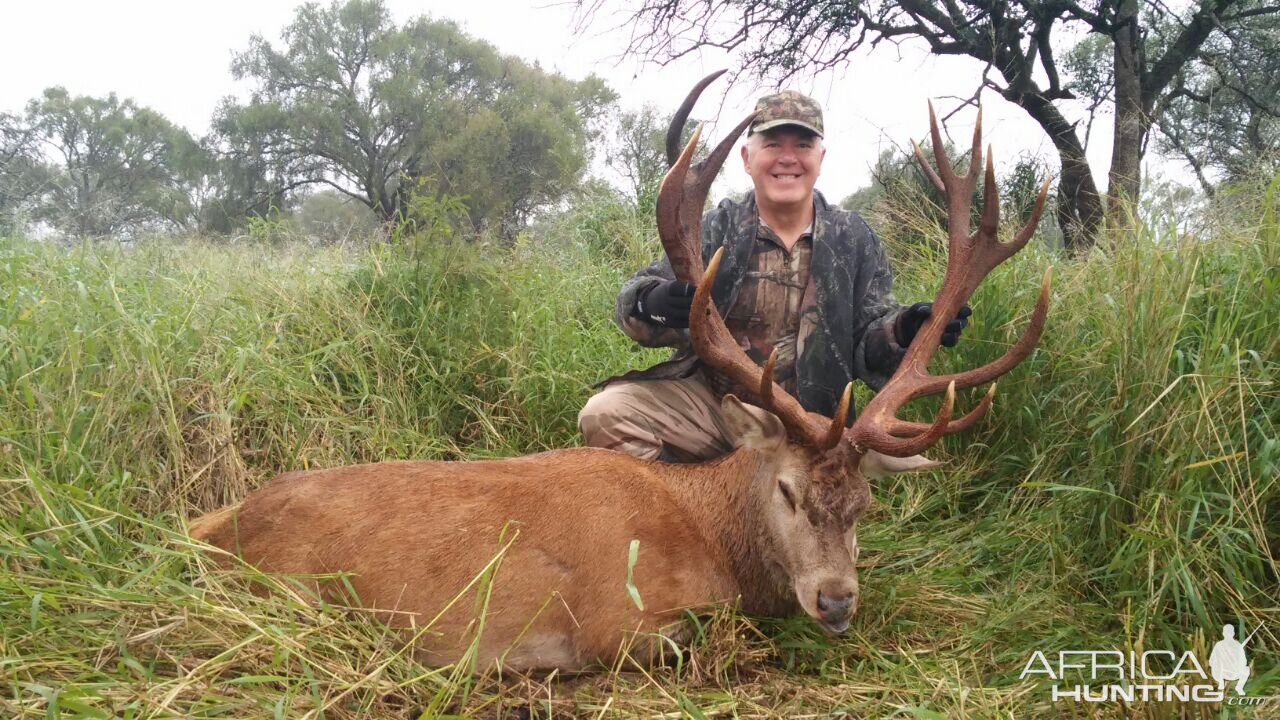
pixel 835 606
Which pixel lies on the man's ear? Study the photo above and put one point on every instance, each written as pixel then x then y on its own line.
pixel 878 465
pixel 753 427
pixel 744 151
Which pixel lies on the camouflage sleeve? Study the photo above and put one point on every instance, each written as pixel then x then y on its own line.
pixel 714 228
pixel 876 352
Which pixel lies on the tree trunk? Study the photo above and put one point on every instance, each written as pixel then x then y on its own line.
pixel 1124 179
pixel 1079 203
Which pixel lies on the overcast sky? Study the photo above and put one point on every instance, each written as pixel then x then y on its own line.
pixel 174 57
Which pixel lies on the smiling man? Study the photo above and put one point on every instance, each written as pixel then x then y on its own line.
pixel 799 275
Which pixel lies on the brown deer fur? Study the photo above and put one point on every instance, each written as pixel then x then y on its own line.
pixel 412 535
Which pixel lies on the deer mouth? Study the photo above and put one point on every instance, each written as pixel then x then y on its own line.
pixel 836 627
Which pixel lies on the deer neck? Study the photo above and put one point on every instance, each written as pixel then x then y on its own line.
pixel 722 499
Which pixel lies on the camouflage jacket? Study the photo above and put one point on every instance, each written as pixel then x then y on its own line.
pixel 853 337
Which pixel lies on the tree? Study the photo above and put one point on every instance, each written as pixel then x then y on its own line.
pixel 240 180
pixel 22 173
pixel 353 102
pixel 330 217
pixel 1223 116
pixel 117 167
pixel 638 152
pixel 1015 38
pixel 526 148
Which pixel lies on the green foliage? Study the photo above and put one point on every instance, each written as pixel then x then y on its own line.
pixel 901 199
pixel 609 227
pixel 119 168
pixel 431 217
pixel 1221 113
pixel 1123 493
pixel 271 228
pixel 240 180
pixel 1145 424
pixel 331 217
pixel 1088 64
pixel 638 152
pixel 1225 121
pixel 22 172
pixel 353 100
pixel 904 206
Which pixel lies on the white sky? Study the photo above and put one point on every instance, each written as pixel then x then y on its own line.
pixel 174 56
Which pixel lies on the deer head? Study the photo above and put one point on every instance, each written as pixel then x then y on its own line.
pixel 812 487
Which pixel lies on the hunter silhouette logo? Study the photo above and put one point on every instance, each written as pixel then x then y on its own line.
pixel 1227 662
pixel 1151 675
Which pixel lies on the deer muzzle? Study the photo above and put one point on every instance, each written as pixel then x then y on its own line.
pixel 832 601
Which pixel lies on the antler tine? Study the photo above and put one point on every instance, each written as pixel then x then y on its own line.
pixel 718 155
pixel 957 189
pixel 878 422
pixel 678 120
pixel 927 168
pixel 945 171
pixel 1029 229
pixel 906 428
pixel 1010 359
pixel 877 437
pixel 970 258
pixel 990 222
pixel 765 393
pixel 836 430
pixel 683 248
pixel 975 154
pixel 990 251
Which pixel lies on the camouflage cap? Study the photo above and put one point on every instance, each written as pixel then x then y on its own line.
pixel 787 108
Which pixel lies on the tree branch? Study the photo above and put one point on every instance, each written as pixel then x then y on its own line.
pixel 1181 50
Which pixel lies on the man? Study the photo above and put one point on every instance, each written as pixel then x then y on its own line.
pixel 799 276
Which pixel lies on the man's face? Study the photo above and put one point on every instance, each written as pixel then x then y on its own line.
pixel 784 164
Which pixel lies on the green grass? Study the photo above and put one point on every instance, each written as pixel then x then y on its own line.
pixel 1123 494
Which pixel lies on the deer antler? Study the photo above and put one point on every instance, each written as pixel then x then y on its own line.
pixel 970 257
pixel 682 195
pixel 680 200
pixel 678 120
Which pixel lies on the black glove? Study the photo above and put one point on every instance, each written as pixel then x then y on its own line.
pixel 666 304
pixel 911 319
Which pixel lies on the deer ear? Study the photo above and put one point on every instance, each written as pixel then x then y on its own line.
pixel 750 426
pixel 876 465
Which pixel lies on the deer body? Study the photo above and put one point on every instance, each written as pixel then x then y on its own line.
pixel 413 535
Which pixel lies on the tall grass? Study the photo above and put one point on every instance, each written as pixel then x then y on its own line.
pixel 1122 495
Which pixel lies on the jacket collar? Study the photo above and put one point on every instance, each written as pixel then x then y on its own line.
pixel 822 211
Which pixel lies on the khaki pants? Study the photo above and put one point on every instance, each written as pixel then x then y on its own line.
pixel 674 420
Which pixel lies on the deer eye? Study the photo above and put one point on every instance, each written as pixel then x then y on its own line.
pixel 786 495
